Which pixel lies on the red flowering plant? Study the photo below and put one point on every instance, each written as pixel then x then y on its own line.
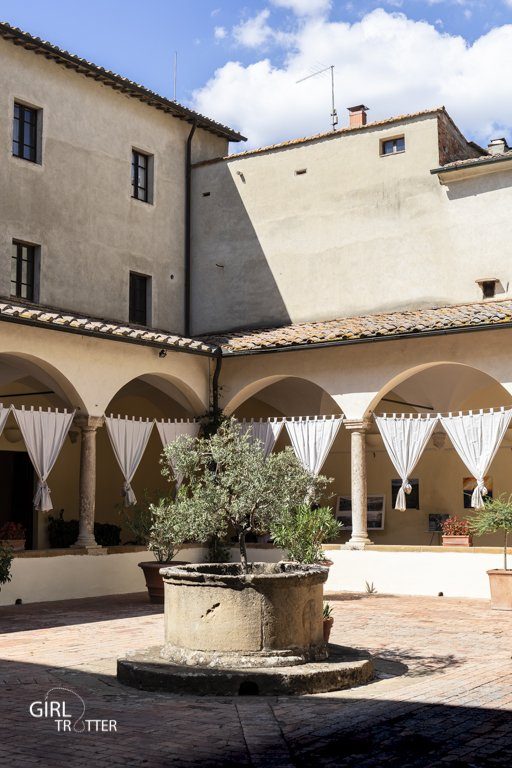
pixel 455 526
pixel 12 531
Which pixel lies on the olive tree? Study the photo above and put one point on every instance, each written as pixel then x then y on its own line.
pixel 228 486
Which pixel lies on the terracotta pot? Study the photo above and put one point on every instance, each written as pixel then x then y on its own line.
pixel 18 545
pixel 327 628
pixel 501 589
pixel 154 581
pixel 457 541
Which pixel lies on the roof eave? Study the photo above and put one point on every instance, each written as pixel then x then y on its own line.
pixel 117 82
pixel 487 163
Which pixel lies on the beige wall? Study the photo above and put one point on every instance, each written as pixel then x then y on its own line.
pixel 357 233
pixel 77 204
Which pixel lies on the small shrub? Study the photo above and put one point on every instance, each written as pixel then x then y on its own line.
pixel 107 534
pixel 370 588
pixel 64 533
pixel 10 531
pixel 6 556
pixel 455 526
pixel 302 532
pixel 170 528
pixel 495 516
pixel 327 611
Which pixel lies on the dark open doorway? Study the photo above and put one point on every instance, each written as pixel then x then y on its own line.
pixel 17 491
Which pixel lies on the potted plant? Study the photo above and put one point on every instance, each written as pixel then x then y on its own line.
pixel 328 621
pixel 249 614
pixel 152 525
pixel 12 535
pixel 456 532
pixel 496 515
pixel 302 531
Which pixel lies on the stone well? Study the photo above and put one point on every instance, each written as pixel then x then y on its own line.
pixel 217 616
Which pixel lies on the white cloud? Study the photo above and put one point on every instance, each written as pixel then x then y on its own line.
pixel 305 7
pixel 392 63
pixel 220 33
pixel 254 32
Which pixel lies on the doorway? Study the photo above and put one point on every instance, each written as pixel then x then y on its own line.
pixel 17 492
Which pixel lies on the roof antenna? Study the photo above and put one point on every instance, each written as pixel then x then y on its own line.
pixel 334 114
pixel 174 74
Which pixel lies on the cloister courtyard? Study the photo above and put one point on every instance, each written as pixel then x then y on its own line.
pixel 442 694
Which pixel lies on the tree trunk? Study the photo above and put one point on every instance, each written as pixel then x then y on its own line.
pixel 243 551
pixel 505 550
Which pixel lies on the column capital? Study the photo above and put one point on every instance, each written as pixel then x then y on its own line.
pixel 86 422
pixel 357 425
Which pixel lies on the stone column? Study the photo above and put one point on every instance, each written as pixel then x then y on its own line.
pixel 359 538
pixel 87 502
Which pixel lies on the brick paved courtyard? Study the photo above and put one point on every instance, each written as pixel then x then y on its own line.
pixel 443 694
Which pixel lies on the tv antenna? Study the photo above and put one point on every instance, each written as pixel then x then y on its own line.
pixel 334 114
pixel 174 73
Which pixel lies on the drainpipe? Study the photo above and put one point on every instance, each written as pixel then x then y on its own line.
pixel 188 202
pixel 215 385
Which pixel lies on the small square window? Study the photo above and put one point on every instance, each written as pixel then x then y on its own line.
pixel 142 173
pixel 25 136
pixel 140 299
pixel 23 271
pixel 392 146
pixel 412 499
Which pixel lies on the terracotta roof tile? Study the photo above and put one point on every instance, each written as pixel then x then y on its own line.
pixel 469 162
pixel 43 317
pixel 392 324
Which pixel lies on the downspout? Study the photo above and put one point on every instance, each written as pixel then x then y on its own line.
pixel 188 206
pixel 216 412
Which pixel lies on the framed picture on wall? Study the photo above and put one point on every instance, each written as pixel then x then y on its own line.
pixel 375 514
pixel 435 522
pixel 469 485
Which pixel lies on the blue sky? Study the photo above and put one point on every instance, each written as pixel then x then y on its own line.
pixel 239 62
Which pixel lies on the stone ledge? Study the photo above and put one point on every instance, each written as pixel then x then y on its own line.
pixel 345 668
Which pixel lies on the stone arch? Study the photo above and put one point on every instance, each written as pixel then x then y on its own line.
pixel 168 385
pixel 259 386
pixel 47 374
pixel 409 373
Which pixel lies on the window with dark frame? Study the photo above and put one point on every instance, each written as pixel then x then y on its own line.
pixel 23 270
pixel 138 309
pixel 412 499
pixel 392 146
pixel 24 138
pixel 140 176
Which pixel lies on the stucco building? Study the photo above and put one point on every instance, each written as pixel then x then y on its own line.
pixel 147 273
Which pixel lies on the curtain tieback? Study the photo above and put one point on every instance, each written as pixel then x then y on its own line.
pixel 407 486
pixel 477 497
pixel 128 495
pixel 42 499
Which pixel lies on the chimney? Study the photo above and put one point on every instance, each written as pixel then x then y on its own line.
pixel 357 116
pixel 498 147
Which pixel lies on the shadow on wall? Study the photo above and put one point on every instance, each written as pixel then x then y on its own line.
pixel 478 185
pixel 232 282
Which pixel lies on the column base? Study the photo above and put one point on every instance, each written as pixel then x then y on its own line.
pixel 86 542
pixel 358 542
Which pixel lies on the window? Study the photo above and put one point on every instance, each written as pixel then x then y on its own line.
pixel 412 499
pixel 392 146
pixel 23 271
pixel 142 172
pixel 25 133
pixel 375 512
pixel 140 287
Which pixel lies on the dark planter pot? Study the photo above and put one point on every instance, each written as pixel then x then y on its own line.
pixel 327 628
pixel 457 541
pixel 17 545
pixel 500 582
pixel 154 581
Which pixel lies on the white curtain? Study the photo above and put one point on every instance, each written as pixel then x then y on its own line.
pixel 4 413
pixel 262 433
pixel 405 439
pixel 129 439
pixel 476 437
pixel 312 439
pixel 44 433
pixel 169 431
